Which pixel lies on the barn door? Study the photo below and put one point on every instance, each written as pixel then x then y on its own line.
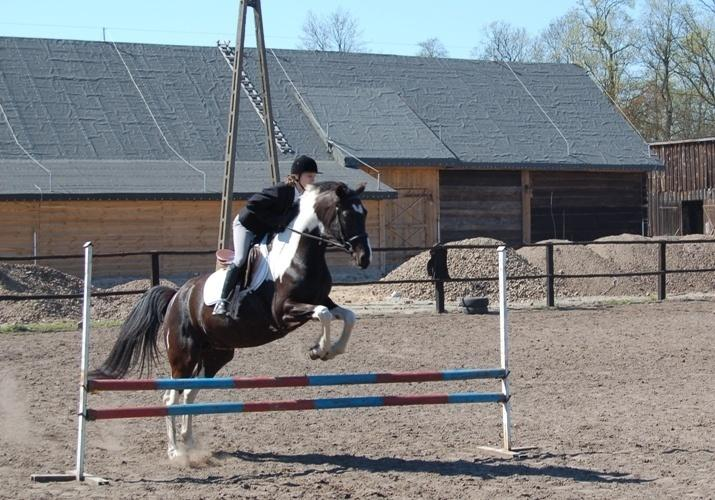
pixel 669 220
pixel 407 222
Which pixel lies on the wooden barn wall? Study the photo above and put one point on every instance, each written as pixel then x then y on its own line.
pixel 411 219
pixel 480 203
pixel 587 205
pixel 62 227
pixel 689 175
pixel 665 211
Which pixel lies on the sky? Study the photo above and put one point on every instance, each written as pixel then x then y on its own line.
pixel 388 26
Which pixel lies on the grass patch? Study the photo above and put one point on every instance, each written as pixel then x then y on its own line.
pixel 54 326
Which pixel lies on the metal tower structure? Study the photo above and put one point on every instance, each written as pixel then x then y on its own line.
pixel 265 110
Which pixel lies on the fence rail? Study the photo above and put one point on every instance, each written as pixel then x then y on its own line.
pixel 438 272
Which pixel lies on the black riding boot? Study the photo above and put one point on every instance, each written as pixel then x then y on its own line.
pixel 234 275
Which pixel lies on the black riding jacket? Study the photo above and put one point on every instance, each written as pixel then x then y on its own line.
pixel 269 211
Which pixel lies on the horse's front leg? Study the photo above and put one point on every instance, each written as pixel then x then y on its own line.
pixel 293 311
pixel 349 320
pixel 323 349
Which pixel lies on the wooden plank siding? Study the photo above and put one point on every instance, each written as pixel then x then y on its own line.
pixel 410 220
pixel 583 206
pixel 127 226
pixel 689 175
pixel 480 203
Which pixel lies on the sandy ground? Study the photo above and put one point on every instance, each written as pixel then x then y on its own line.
pixel 619 400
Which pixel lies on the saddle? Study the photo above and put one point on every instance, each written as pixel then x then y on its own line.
pixel 257 271
pixel 253 296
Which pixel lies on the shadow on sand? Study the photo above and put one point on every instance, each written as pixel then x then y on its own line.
pixel 338 464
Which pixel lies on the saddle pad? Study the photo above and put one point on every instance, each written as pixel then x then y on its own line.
pixel 214 283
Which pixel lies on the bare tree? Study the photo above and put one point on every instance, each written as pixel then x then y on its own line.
pixel 565 40
pixel 338 31
pixel 662 30
pixel 432 47
pixel 613 42
pixel 600 36
pixel 708 5
pixel 697 61
pixel 661 70
pixel 504 42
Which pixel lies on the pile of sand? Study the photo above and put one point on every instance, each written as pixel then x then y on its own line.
pixel 25 279
pixel 464 263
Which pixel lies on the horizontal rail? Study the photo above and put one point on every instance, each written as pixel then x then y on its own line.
pixel 376 249
pixel 617 242
pixel 69 295
pixel 296 381
pixel 295 405
pixel 19 298
pixel 180 252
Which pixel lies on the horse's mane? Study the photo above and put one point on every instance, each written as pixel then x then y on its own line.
pixel 324 187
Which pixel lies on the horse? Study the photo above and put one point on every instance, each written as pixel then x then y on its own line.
pixel 199 344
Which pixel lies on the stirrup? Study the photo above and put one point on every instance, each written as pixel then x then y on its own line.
pixel 220 308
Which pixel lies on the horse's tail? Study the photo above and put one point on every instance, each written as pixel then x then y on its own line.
pixel 137 342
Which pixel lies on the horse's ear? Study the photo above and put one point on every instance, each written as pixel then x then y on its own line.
pixel 360 189
pixel 342 190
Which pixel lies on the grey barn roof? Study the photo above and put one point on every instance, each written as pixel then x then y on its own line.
pixel 74 107
pixel 461 113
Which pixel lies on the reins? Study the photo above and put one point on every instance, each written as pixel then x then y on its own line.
pixel 345 245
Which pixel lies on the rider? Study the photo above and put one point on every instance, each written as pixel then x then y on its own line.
pixel 269 211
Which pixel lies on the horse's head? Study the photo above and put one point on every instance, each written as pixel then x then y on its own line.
pixel 342 218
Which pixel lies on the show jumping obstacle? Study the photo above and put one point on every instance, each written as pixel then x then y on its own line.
pixel 90 414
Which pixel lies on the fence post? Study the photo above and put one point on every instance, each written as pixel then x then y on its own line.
pixel 154 268
pixel 550 274
pixel 661 270
pixel 437 270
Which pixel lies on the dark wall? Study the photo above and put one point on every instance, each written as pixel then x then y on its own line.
pixel 480 203
pixel 582 206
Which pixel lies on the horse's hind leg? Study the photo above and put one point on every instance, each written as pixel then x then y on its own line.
pixel 189 397
pixel 215 359
pixel 171 397
pixel 183 353
pixel 212 361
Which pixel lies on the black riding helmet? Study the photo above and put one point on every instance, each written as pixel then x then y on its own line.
pixel 304 164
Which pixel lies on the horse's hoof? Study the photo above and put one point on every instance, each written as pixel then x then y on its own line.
pixel 314 353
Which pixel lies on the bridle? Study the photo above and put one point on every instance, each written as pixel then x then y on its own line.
pixel 346 245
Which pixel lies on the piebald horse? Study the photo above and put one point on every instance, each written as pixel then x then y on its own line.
pixel 199 344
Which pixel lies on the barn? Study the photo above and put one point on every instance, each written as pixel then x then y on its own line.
pixel 681 198
pixel 123 144
pixel 518 152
